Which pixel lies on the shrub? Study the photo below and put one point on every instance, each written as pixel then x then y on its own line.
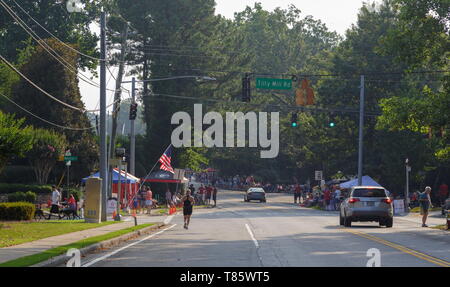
pixel 17 211
pixel 18 174
pixel 22 197
pixel 39 189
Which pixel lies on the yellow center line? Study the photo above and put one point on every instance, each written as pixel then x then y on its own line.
pixel 404 249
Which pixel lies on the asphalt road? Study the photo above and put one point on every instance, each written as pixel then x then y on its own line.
pixel 277 234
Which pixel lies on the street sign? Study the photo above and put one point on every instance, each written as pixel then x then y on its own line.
pixel 273 84
pixel 318 175
pixel 70 158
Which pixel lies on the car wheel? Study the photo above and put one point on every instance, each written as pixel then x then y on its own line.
pixel 341 219
pixel 382 222
pixel 347 222
pixel 389 222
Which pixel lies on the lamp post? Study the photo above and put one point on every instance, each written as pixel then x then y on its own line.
pixel 133 96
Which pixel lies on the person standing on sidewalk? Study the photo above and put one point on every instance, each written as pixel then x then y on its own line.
pixel 188 203
pixel 297 193
pixel 214 196
pixel 56 198
pixel 149 200
pixel 425 204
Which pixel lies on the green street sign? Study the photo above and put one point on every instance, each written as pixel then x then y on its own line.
pixel 273 84
pixel 70 158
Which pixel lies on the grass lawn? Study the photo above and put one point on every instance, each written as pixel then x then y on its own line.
pixel 441 227
pixel 417 209
pixel 39 257
pixel 13 233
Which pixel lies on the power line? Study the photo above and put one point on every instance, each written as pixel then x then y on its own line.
pixel 44 120
pixel 43 91
pixel 68 46
pixel 295 108
pixel 46 47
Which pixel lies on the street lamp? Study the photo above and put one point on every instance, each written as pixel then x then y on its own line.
pixel 133 96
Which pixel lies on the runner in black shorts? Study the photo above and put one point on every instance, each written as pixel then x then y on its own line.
pixel 188 203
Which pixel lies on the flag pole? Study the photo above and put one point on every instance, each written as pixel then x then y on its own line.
pixel 148 174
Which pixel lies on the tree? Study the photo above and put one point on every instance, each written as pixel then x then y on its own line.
pixel 62 84
pixel 16 139
pixel 48 146
pixel 72 28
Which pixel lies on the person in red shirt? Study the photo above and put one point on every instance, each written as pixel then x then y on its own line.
pixel 209 190
pixel 327 198
pixel 443 193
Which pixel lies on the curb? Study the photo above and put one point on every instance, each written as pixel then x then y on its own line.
pixel 62 259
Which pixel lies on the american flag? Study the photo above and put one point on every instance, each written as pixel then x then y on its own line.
pixel 166 159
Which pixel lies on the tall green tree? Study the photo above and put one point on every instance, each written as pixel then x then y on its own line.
pixel 62 84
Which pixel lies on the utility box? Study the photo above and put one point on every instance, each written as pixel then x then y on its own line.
pixel 93 201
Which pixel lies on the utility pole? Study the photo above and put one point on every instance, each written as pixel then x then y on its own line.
pixel 117 96
pixel 361 131
pixel 103 147
pixel 133 134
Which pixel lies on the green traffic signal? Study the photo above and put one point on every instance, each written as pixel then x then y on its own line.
pixel 294 125
pixel 332 125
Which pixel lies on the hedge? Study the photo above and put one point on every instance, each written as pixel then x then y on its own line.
pixel 17 211
pixel 22 197
pixel 11 188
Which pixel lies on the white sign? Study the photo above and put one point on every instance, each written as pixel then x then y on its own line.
pixel 319 175
pixel 399 206
pixel 112 206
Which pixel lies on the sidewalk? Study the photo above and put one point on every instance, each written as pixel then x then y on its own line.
pixel 30 248
pixel 434 218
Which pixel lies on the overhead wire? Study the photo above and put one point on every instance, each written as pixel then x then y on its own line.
pixel 44 120
pixel 44 45
pixel 62 42
pixel 42 90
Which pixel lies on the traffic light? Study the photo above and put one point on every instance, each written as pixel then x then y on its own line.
pixel 246 88
pixel 294 120
pixel 133 111
pixel 332 124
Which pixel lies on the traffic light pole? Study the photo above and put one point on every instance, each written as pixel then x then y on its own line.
pixel 361 131
pixel 133 133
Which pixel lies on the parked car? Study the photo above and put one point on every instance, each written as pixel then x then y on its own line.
pixel 255 193
pixel 367 203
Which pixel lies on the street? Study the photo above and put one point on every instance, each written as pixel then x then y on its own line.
pixel 277 234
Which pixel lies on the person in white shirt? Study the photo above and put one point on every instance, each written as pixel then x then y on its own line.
pixel 56 197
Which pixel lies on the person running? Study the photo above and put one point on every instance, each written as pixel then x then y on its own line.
pixel 188 203
pixel 425 204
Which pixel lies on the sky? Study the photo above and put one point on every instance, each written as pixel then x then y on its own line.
pixel 338 15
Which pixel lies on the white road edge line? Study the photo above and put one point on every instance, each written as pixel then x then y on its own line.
pixel 252 236
pixel 125 247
